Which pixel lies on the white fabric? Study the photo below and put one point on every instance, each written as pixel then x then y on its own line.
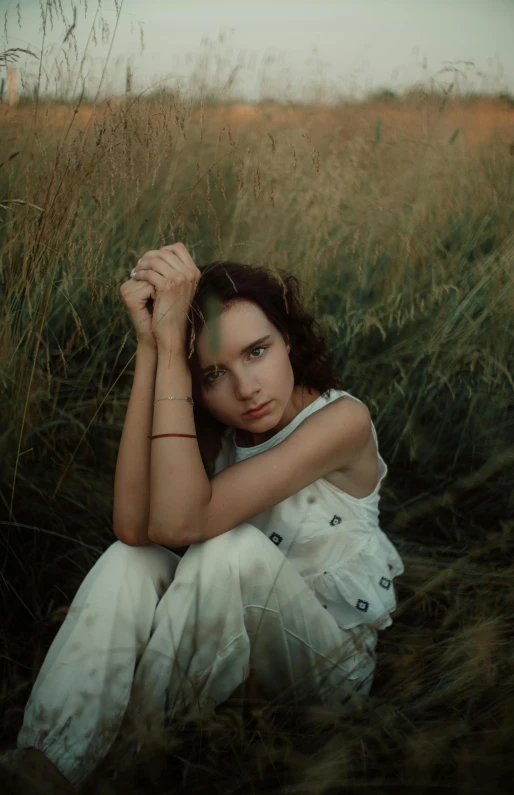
pixel 151 636
pixel 333 539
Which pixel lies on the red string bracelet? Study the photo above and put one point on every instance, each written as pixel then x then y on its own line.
pixel 189 435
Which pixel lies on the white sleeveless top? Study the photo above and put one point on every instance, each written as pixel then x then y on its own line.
pixel 333 539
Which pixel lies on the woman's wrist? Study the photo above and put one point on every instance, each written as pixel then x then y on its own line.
pixel 146 344
pixel 174 346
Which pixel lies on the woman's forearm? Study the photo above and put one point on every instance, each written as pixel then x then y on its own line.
pixel 131 507
pixel 180 489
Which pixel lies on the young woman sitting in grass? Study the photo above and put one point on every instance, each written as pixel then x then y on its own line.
pixel 240 449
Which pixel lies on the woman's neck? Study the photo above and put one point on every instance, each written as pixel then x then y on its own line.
pixel 244 439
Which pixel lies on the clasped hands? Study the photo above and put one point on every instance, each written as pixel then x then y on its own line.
pixel 175 278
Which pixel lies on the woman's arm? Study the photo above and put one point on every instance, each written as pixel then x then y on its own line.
pixel 179 486
pixel 131 507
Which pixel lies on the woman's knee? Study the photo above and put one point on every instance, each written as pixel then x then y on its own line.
pixel 148 560
pixel 243 536
pixel 244 544
pixel 252 547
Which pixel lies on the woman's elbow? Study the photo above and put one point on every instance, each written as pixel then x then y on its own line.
pixel 132 538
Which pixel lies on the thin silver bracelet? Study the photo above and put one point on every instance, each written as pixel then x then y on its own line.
pixel 189 399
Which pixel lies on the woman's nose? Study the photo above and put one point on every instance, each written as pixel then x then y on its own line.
pixel 246 386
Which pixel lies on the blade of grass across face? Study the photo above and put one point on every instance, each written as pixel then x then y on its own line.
pixel 213 308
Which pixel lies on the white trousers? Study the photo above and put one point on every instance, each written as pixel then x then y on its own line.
pixel 150 634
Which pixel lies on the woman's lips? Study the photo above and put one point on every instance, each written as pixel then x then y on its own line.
pixel 259 412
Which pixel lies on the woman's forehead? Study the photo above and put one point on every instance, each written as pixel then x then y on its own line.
pixel 237 325
pixel 238 316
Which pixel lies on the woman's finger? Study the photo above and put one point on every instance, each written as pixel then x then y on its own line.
pixel 156 263
pixel 162 283
pixel 178 251
pixel 182 254
pixel 149 255
pixel 150 259
pixel 166 264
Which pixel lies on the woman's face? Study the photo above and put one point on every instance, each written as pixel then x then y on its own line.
pixel 244 379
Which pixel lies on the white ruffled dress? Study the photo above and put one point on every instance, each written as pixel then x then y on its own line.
pixel 333 539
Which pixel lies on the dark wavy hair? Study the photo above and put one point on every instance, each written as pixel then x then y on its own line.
pixel 277 293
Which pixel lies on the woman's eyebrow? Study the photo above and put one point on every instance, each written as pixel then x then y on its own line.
pixel 245 350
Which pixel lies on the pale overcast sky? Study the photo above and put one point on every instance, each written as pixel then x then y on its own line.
pixel 281 48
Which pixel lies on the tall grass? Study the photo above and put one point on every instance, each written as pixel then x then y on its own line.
pixel 399 222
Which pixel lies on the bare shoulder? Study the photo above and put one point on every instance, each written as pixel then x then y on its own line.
pixel 345 410
pixel 349 420
pixel 358 474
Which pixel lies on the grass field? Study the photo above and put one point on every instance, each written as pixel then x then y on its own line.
pixel 398 217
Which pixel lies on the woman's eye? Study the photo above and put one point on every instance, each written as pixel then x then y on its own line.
pixel 211 380
pixel 209 377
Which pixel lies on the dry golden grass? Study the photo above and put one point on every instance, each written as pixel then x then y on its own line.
pixel 482 120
